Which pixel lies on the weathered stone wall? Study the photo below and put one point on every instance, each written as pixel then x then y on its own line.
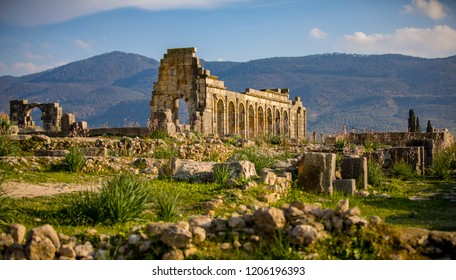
pixel 212 109
pixel 402 139
pixel 20 114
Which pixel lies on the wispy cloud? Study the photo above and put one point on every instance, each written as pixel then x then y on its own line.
pixel 82 44
pixel 430 8
pixel 439 41
pixel 28 67
pixel 317 33
pixel 32 12
pixel 24 68
pixel 33 56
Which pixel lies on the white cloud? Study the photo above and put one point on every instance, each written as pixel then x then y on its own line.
pixel 28 67
pixel 24 68
pixel 33 12
pixel 317 33
pixel 82 44
pixel 439 41
pixel 430 8
pixel 32 56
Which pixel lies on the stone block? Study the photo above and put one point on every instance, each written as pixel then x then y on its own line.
pixel 347 186
pixel 410 155
pixel 355 168
pixel 316 172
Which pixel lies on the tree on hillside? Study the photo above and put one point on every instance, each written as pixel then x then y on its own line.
pixel 417 125
pixel 429 127
pixel 411 121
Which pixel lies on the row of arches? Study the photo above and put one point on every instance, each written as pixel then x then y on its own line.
pixel 250 122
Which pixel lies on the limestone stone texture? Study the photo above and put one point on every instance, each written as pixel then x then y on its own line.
pixel 316 172
pixel 213 109
pixel 354 167
pixel 347 186
pixel 20 114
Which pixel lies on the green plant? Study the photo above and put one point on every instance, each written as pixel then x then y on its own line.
pixel 403 170
pixel 254 155
pixel 7 146
pixel 340 144
pixel 375 175
pixel 7 211
pixel 74 160
pixel 222 173
pixel 164 152
pixel 159 134
pixel 444 163
pixel 167 205
pixel 120 200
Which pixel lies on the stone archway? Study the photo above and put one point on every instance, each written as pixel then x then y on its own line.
pixel 51 114
pixel 278 122
pixel 285 123
pixel 270 123
pixel 220 118
pixel 260 121
pixel 241 118
pixel 251 121
pixel 231 118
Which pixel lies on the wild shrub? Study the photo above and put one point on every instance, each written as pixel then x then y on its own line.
pixel 120 200
pixel 403 170
pixel 222 173
pixel 444 163
pixel 164 152
pixel 254 155
pixel 74 160
pixel 340 144
pixel 375 175
pixel 125 198
pixel 167 204
pixel 160 134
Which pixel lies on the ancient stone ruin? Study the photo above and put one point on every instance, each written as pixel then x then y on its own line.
pixel 52 118
pixel 20 114
pixel 212 109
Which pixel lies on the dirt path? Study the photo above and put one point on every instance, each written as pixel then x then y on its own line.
pixel 24 189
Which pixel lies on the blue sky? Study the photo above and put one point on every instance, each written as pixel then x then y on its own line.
pixel 36 35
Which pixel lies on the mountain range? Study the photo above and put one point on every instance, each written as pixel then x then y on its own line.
pixel 365 92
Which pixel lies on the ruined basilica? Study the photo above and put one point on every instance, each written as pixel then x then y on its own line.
pixel 212 109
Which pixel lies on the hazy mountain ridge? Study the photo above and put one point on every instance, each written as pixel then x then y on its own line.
pixel 372 92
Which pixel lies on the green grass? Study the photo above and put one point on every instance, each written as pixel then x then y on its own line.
pixel 375 174
pixel 403 170
pixel 222 173
pixel 124 198
pixel 438 213
pixel 74 160
pixel 256 156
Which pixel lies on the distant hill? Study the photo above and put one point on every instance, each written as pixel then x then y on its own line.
pixel 372 92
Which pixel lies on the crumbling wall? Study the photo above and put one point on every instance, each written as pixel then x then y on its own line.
pixel 212 109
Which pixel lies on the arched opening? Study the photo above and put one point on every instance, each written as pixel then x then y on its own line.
pixel 242 120
pixel 269 113
pixel 286 124
pixel 182 115
pixel 180 112
pixel 220 118
pixel 260 120
pixel 34 119
pixel 251 121
pixel 278 122
pixel 231 119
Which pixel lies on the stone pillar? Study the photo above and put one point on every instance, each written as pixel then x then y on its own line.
pixel 316 172
pixel 355 168
pixel 67 121
pixel 314 137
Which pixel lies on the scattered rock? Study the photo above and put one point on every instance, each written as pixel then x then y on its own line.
pixel 17 231
pixel 303 234
pixel 269 220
